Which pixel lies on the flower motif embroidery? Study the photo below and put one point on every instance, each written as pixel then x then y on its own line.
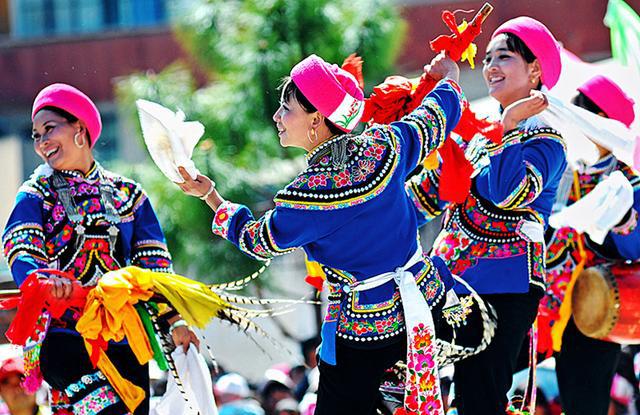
pixel 222 219
pixel 364 169
pixel 317 180
pixel 375 150
pixel 342 178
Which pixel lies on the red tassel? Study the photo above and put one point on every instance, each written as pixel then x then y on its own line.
pixel 314 281
pixel 457 42
pixel 353 65
pixel 97 346
pixel 36 297
pixel 455 176
pixel 470 125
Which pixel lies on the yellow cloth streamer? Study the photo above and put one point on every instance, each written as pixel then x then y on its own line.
pixel 470 53
pixel 432 161
pixel 110 315
pixel 566 307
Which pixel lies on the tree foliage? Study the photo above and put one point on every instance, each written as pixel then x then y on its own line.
pixel 246 48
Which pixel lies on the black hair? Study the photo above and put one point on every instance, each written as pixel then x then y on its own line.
pixel 583 101
pixel 516 45
pixel 66 115
pixel 291 90
pixel 59 111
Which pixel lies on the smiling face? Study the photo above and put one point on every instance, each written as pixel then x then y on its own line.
pixel 294 124
pixel 507 74
pixel 53 140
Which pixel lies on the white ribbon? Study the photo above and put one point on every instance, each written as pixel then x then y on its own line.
pixel 579 126
pixel 416 313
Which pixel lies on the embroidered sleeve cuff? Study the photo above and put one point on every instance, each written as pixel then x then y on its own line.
pixel 454 85
pixel 628 225
pixel 509 139
pixel 222 218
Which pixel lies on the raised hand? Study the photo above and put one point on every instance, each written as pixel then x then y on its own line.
pixel 524 108
pixel 441 67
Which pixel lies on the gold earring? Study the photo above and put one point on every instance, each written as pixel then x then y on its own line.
pixel 75 140
pixel 315 136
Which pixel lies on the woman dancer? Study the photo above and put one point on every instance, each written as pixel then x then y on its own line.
pixel 349 211
pixel 495 239
pixel 579 357
pixel 75 216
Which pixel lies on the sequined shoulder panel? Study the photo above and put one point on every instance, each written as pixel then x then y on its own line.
pixel 344 171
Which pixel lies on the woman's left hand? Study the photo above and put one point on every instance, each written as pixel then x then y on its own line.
pixel 184 336
pixel 524 108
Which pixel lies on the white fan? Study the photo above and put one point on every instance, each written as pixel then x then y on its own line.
pixel 169 138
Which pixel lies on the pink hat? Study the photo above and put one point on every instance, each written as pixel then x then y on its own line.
pixel 541 43
pixel 331 89
pixel 610 98
pixel 13 365
pixel 75 102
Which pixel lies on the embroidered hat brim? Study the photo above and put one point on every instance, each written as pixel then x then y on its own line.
pixel 332 90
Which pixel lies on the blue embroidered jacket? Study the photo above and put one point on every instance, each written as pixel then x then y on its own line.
pixel 348 210
pixel 495 239
pixel 40 235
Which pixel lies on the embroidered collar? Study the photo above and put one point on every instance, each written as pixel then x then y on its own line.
pixel 92 175
pixel 322 149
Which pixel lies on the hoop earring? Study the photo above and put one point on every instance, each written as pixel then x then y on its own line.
pixel 75 140
pixel 315 136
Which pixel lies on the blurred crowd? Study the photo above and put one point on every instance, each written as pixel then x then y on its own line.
pixel 287 389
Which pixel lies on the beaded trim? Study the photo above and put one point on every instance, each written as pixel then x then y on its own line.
pixel 84 381
pixel 423 190
pixel 629 225
pixel 373 322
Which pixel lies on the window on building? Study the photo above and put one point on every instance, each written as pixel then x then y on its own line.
pixel 4 17
pixel 37 18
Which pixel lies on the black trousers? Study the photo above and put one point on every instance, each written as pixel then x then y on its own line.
pixel 352 386
pixel 64 361
pixel 585 368
pixel 482 381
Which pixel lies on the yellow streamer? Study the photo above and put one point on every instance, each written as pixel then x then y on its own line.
pixel 110 315
pixel 469 54
pixel 566 307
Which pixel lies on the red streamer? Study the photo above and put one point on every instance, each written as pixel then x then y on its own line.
pixel 36 297
pixel 397 96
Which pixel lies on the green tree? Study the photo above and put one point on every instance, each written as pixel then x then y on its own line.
pixel 246 48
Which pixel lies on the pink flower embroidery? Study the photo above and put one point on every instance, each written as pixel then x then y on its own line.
pixel 375 150
pixel 317 180
pixel 342 179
